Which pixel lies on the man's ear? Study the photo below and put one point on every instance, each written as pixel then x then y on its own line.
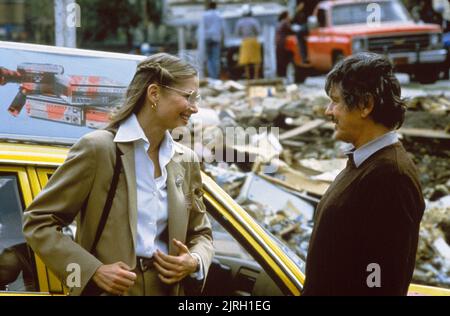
pixel 367 107
pixel 153 93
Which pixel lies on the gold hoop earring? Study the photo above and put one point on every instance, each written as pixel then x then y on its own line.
pixel 153 106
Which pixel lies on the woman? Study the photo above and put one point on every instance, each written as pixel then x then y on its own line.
pixel 248 28
pixel 156 234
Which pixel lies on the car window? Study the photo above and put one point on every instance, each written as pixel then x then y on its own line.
pixel 16 263
pixel 225 244
pixel 286 249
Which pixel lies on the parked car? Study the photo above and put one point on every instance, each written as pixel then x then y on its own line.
pixel 340 28
pixel 248 259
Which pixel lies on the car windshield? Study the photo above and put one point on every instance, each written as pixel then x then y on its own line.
pixel 358 13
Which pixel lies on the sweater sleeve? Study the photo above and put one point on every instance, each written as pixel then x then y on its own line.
pixel 390 214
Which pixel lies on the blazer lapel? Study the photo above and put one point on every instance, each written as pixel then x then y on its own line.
pixel 130 176
pixel 178 216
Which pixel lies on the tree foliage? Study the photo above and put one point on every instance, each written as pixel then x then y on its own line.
pixel 101 19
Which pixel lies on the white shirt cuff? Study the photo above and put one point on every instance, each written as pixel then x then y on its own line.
pixel 200 274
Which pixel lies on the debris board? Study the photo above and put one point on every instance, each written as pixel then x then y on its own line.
pixel 302 129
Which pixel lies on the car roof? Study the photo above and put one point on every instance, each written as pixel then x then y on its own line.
pixel 20 153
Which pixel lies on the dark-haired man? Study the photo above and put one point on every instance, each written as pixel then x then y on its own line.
pixel 366 227
pixel 213 29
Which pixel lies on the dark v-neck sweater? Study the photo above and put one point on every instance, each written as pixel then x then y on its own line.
pixel 369 214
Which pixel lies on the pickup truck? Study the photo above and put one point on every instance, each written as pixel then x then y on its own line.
pixel 341 28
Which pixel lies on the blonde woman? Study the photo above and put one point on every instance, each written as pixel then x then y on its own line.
pixel 135 193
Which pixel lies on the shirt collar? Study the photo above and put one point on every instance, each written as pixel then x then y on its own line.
pixel 130 131
pixel 364 152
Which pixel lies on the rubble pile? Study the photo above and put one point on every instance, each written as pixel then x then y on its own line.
pixel 433 253
pixel 298 164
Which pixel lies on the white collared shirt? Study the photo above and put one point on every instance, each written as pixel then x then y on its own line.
pixel 152 203
pixel 364 152
pixel 152 208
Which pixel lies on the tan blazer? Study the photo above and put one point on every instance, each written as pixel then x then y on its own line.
pixel 78 189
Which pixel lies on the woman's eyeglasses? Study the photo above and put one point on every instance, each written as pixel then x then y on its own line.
pixel 193 97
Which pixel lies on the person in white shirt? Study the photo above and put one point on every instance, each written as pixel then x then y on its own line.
pixel 213 27
pixel 157 238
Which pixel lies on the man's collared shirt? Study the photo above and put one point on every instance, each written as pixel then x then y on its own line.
pixel 213 25
pixel 364 152
pixel 152 203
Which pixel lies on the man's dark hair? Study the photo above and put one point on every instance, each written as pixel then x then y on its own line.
pixel 212 5
pixel 283 15
pixel 363 76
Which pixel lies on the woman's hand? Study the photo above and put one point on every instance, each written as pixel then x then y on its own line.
pixel 114 278
pixel 173 269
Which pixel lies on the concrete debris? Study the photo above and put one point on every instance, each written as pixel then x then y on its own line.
pixel 257 189
pixel 433 254
pixel 297 164
pixel 431 104
pixel 206 117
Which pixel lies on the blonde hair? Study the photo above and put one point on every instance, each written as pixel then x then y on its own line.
pixel 161 68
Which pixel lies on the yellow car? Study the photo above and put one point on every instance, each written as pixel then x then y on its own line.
pixel 40 117
pixel 248 260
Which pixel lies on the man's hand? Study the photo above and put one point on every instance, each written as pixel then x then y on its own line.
pixel 173 269
pixel 114 278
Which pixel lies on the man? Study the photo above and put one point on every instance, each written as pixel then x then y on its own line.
pixel 300 26
pixel 366 227
pixel 213 30
pixel 248 28
pixel 283 30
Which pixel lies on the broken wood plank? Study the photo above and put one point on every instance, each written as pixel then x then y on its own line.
pixel 409 131
pixel 422 132
pixel 292 143
pixel 298 182
pixel 302 129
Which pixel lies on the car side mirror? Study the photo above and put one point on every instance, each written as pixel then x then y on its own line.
pixel 313 23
